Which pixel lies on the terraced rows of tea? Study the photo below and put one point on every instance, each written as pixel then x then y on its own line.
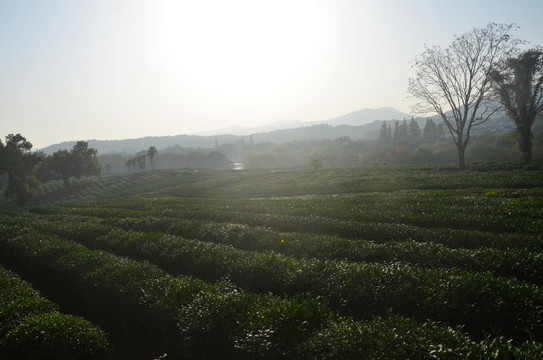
pixel 380 263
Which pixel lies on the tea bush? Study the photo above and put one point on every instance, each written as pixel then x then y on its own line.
pixel 392 247
pixel 54 336
pixel 176 316
pixel 32 328
pixel 481 302
pixel 516 263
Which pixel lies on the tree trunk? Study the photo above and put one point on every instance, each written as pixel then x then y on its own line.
pixel 21 198
pixel 525 143
pixel 461 156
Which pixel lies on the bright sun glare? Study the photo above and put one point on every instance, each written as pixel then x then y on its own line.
pixel 243 49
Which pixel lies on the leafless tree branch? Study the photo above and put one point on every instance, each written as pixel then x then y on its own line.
pixel 455 82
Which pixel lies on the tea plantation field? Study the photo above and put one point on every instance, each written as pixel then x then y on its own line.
pixel 359 263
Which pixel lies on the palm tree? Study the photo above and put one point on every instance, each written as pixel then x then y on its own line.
pixel 131 164
pixel 151 153
pixel 141 162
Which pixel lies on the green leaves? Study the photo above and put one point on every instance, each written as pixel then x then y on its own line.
pixel 377 264
pixel 32 328
pixel 54 336
pixel 479 301
pixel 20 166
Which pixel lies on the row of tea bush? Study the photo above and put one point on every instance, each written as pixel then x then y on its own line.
pixel 145 308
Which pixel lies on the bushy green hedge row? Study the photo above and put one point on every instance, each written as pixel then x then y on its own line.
pixel 494 210
pixel 32 328
pixel 480 302
pixel 374 231
pixel 187 318
pixel 125 297
pixel 155 313
pixel 160 217
pixel 355 340
pixel 292 182
pixel 522 264
pixel 514 263
pixel 288 182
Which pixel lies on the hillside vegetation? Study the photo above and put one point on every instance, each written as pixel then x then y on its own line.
pixel 350 263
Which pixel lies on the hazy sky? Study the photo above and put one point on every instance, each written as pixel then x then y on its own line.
pixel 113 69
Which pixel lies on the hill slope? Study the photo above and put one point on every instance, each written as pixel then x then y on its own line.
pixel 275 132
pixel 390 262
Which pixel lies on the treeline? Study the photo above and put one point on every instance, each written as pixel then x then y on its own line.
pixel 399 143
pixel 22 171
pixel 172 158
pixel 431 133
pixel 346 152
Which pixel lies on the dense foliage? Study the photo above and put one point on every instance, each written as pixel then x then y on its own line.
pixel 19 164
pixel 32 328
pixel 64 164
pixel 354 263
pixel 25 170
pixel 518 85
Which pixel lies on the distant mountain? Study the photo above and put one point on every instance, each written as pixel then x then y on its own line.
pixel 366 116
pixel 279 132
pixel 355 118
pixel 320 131
pixel 131 146
pixel 358 125
pixel 313 132
pixel 239 130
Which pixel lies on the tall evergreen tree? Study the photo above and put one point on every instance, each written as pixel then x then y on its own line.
pixel 403 130
pixel 382 133
pixel 414 132
pixel 389 133
pixel 397 136
pixel 440 131
pixel 385 134
pixel 429 134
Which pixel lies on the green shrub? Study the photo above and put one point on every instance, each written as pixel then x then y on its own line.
pixel 398 338
pixel 54 336
pixel 479 301
pixel 235 324
pixel 145 306
pixel 16 311
pixel 425 243
pixel 31 327
pixel 509 262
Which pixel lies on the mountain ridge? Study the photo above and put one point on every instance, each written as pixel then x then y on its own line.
pixel 268 132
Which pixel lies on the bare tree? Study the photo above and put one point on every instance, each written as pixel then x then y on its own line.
pixel 519 87
pixel 455 82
